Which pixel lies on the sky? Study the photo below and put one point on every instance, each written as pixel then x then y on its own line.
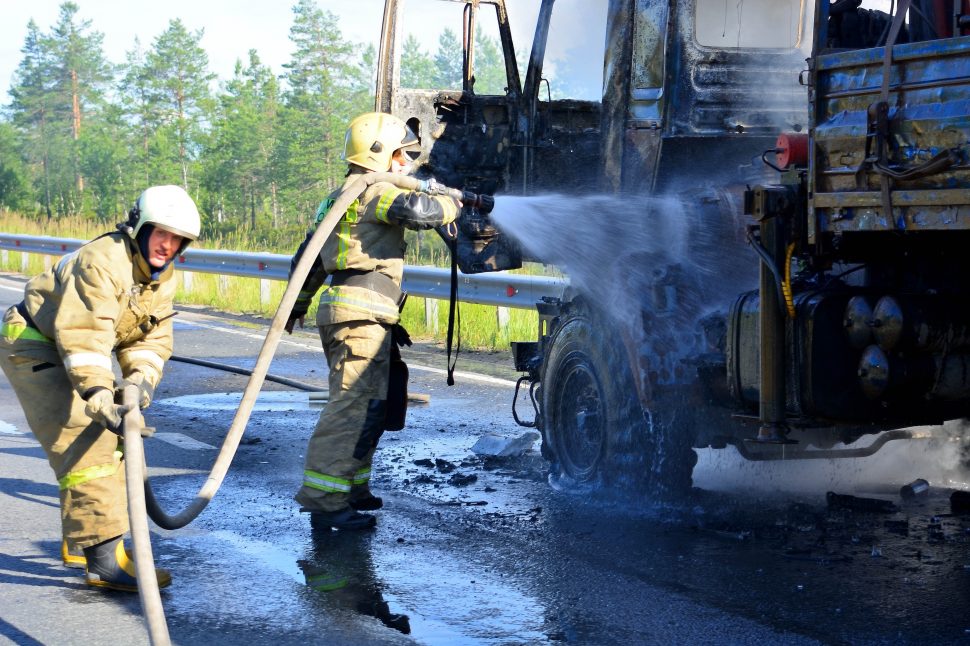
pixel 231 27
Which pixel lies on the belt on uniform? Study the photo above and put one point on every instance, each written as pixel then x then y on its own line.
pixel 372 280
pixel 22 310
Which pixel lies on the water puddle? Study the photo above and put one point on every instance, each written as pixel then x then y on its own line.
pixel 265 401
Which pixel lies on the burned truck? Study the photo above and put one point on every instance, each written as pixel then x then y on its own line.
pixel 815 155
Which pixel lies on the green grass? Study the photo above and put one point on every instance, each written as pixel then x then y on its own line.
pixel 479 327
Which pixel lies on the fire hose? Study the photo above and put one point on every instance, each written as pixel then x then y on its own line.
pixel 141 499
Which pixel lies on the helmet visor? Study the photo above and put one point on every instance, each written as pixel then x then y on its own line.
pixel 410 145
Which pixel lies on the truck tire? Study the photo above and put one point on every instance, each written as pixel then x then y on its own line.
pixel 594 429
pixel 579 402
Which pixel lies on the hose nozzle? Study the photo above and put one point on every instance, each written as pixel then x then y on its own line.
pixel 482 202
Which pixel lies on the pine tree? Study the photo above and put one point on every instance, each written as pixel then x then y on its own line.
pixel 104 152
pixel 448 61
pixel 317 108
pixel 80 77
pixel 140 112
pixel 238 173
pixel 32 111
pixel 15 191
pixel 489 65
pixel 177 77
pixel 417 67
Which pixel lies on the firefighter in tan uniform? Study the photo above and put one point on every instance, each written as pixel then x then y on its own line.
pixel 357 319
pixel 113 295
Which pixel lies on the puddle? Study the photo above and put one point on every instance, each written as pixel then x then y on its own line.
pixel 266 401
pixel 274 400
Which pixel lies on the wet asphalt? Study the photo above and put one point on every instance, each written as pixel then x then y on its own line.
pixel 473 550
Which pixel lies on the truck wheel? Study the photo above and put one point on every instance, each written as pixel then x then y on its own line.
pixel 594 430
pixel 586 399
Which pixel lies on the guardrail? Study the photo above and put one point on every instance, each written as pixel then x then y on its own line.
pixel 500 288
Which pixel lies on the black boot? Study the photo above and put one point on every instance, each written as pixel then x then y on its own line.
pixel 345 518
pixel 109 566
pixel 370 502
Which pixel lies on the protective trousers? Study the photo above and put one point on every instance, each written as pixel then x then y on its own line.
pixel 85 457
pixel 340 451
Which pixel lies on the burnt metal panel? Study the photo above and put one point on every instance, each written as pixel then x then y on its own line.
pixel 928 113
pixel 717 91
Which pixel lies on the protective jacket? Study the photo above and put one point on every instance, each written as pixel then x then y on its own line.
pixel 365 254
pixel 99 299
pixel 56 346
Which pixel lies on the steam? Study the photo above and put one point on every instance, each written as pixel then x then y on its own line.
pixel 624 253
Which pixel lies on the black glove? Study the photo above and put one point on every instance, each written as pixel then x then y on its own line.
pixel 400 336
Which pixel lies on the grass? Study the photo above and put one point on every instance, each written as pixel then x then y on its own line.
pixel 479 324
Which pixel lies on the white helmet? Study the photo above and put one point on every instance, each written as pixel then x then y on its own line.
pixel 166 207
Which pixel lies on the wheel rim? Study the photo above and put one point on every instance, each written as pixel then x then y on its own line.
pixel 580 418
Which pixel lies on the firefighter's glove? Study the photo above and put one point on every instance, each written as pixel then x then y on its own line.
pixel 291 321
pixel 101 407
pixel 146 391
pixel 400 336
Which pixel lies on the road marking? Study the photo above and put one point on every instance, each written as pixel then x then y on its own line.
pixel 183 441
pixel 9 429
pixel 471 376
pixel 13 289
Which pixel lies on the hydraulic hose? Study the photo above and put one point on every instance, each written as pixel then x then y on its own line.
pixel 234 435
pixel 786 283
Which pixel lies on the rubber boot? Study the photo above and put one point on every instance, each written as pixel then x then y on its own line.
pixel 346 518
pixel 72 558
pixel 109 566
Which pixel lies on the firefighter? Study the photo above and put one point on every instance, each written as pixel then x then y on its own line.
pixel 358 318
pixel 114 294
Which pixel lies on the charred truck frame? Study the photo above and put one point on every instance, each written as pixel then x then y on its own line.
pixel 836 176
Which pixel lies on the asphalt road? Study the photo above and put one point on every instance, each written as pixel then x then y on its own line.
pixel 478 551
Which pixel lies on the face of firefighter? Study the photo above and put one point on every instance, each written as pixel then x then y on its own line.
pixel 162 247
pixel 400 163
